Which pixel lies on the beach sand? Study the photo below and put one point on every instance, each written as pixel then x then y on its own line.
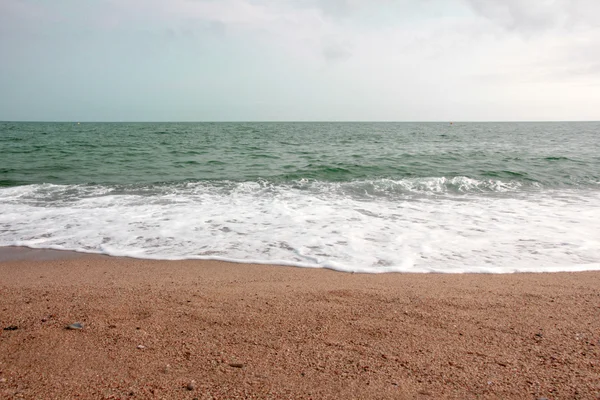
pixel 207 329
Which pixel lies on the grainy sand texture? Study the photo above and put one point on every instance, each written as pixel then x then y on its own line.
pixel 207 329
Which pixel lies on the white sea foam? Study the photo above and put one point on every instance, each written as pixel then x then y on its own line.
pixel 360 226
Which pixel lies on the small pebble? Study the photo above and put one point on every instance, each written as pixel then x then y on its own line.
pixel 141 346
pixel 76 325
pixel 236 365
pixel 11 328
pixel 191 386
pixel 2 380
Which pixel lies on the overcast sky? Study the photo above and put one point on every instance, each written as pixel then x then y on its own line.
pixel 400 60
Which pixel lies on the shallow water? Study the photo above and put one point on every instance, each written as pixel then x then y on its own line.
pixel 368 197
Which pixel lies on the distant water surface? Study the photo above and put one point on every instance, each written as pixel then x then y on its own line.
pixel 366 197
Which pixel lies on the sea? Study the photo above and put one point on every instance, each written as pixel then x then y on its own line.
pixel 362 197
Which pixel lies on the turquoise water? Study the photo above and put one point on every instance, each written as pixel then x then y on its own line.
pixel 373 197
pixel 547 154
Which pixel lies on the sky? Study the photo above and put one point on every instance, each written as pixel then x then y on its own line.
pixel 299 60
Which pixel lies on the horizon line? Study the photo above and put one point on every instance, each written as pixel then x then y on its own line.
pixel 284 121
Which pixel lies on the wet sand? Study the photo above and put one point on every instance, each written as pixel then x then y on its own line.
pixel 207 329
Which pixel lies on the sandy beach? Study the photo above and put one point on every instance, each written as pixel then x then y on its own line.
pixel 207 329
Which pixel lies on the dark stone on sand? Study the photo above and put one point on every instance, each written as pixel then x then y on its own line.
pixel 76 325
pixel 191 386
pixel 11 328
pixel 236 365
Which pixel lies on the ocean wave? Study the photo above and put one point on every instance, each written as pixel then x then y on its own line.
pixel 364 226
pixel 459 185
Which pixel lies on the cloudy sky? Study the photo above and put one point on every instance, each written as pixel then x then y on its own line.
pixel 401 60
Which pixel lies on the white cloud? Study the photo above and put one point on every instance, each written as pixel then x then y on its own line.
pixel 539 15
pixel 433 58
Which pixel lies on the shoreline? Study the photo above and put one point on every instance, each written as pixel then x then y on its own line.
pixel 16 253
pixel 23 253
pixel 213 329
